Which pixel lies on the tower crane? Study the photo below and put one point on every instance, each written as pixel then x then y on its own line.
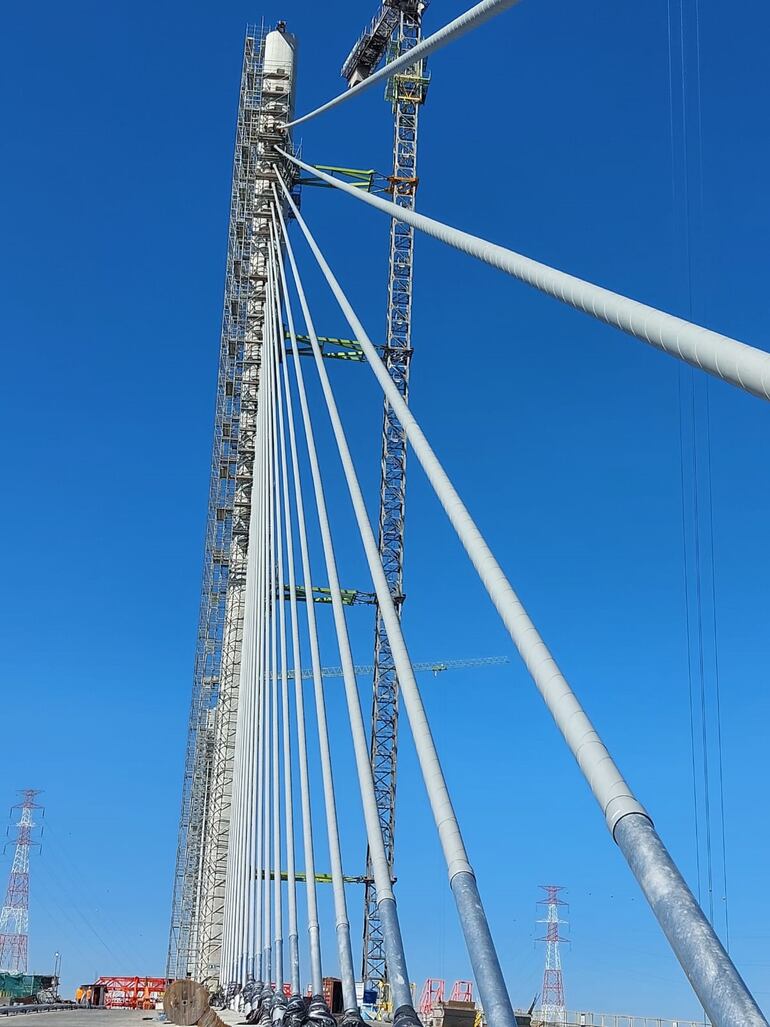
pixel 436 667
pixel 371 45
pixel 395 29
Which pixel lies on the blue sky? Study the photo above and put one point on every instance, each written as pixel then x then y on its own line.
pixel 548 130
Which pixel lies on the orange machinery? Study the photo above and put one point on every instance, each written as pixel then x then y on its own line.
pixel 128 992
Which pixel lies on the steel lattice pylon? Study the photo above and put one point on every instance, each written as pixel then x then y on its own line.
pixel 407 92
pixel 202 845
pixel 14 915
pixel 552 1004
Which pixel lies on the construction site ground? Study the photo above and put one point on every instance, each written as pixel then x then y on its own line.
pixel 85 1018
pixel 104 1018
pixel 230 1017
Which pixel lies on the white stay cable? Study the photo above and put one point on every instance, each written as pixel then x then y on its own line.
pixel 234 844
pixel 735 362
pixel 254 851
pixel 347 973
pixel 244 908
pixel 257 767
pixel 261 542
pixel 269 672
pixel 234 849
pixel 486 965
pixel 234 956
pixel 464 23
pixel 279 657
pixel 279 476
pixel 709 968
pixel 314 938
pixel 396 960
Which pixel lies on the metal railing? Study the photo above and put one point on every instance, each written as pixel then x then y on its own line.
pixel 39 1007
pixel 586 1019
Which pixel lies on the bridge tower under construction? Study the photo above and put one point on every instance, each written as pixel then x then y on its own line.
pixel 265 103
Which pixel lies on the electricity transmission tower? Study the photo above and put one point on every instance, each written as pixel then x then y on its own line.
pixel 14 916
pixel 396 29
pixel 552 1008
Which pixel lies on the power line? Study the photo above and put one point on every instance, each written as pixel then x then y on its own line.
pixel 717 683
pixel 688 636
pixel 703 574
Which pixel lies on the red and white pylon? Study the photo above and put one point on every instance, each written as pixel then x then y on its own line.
pixel 14 916
pixel 552 1005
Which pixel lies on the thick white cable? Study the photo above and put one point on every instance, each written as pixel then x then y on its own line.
pixel 345 952
pixel 270 670
pixel 248 700
pixel 288 801
pixel 735 362
pixel 606 781
pixel 234 842
pixel 233 850
pixel 469 20
pixel 259 811
pixel 238 862
pixel 282 385
pixel 279 658
pixel 255 555
pixel 256 547
pixel 261 543
pixel 243 765
pixel 398 977
pixel 239 779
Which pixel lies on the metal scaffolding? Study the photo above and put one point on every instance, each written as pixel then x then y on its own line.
pixel 208 762
pixel 406 91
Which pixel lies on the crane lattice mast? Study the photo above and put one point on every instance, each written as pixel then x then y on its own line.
pixel 399 22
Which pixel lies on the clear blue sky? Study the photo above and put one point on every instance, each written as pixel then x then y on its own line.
pixel 548 130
